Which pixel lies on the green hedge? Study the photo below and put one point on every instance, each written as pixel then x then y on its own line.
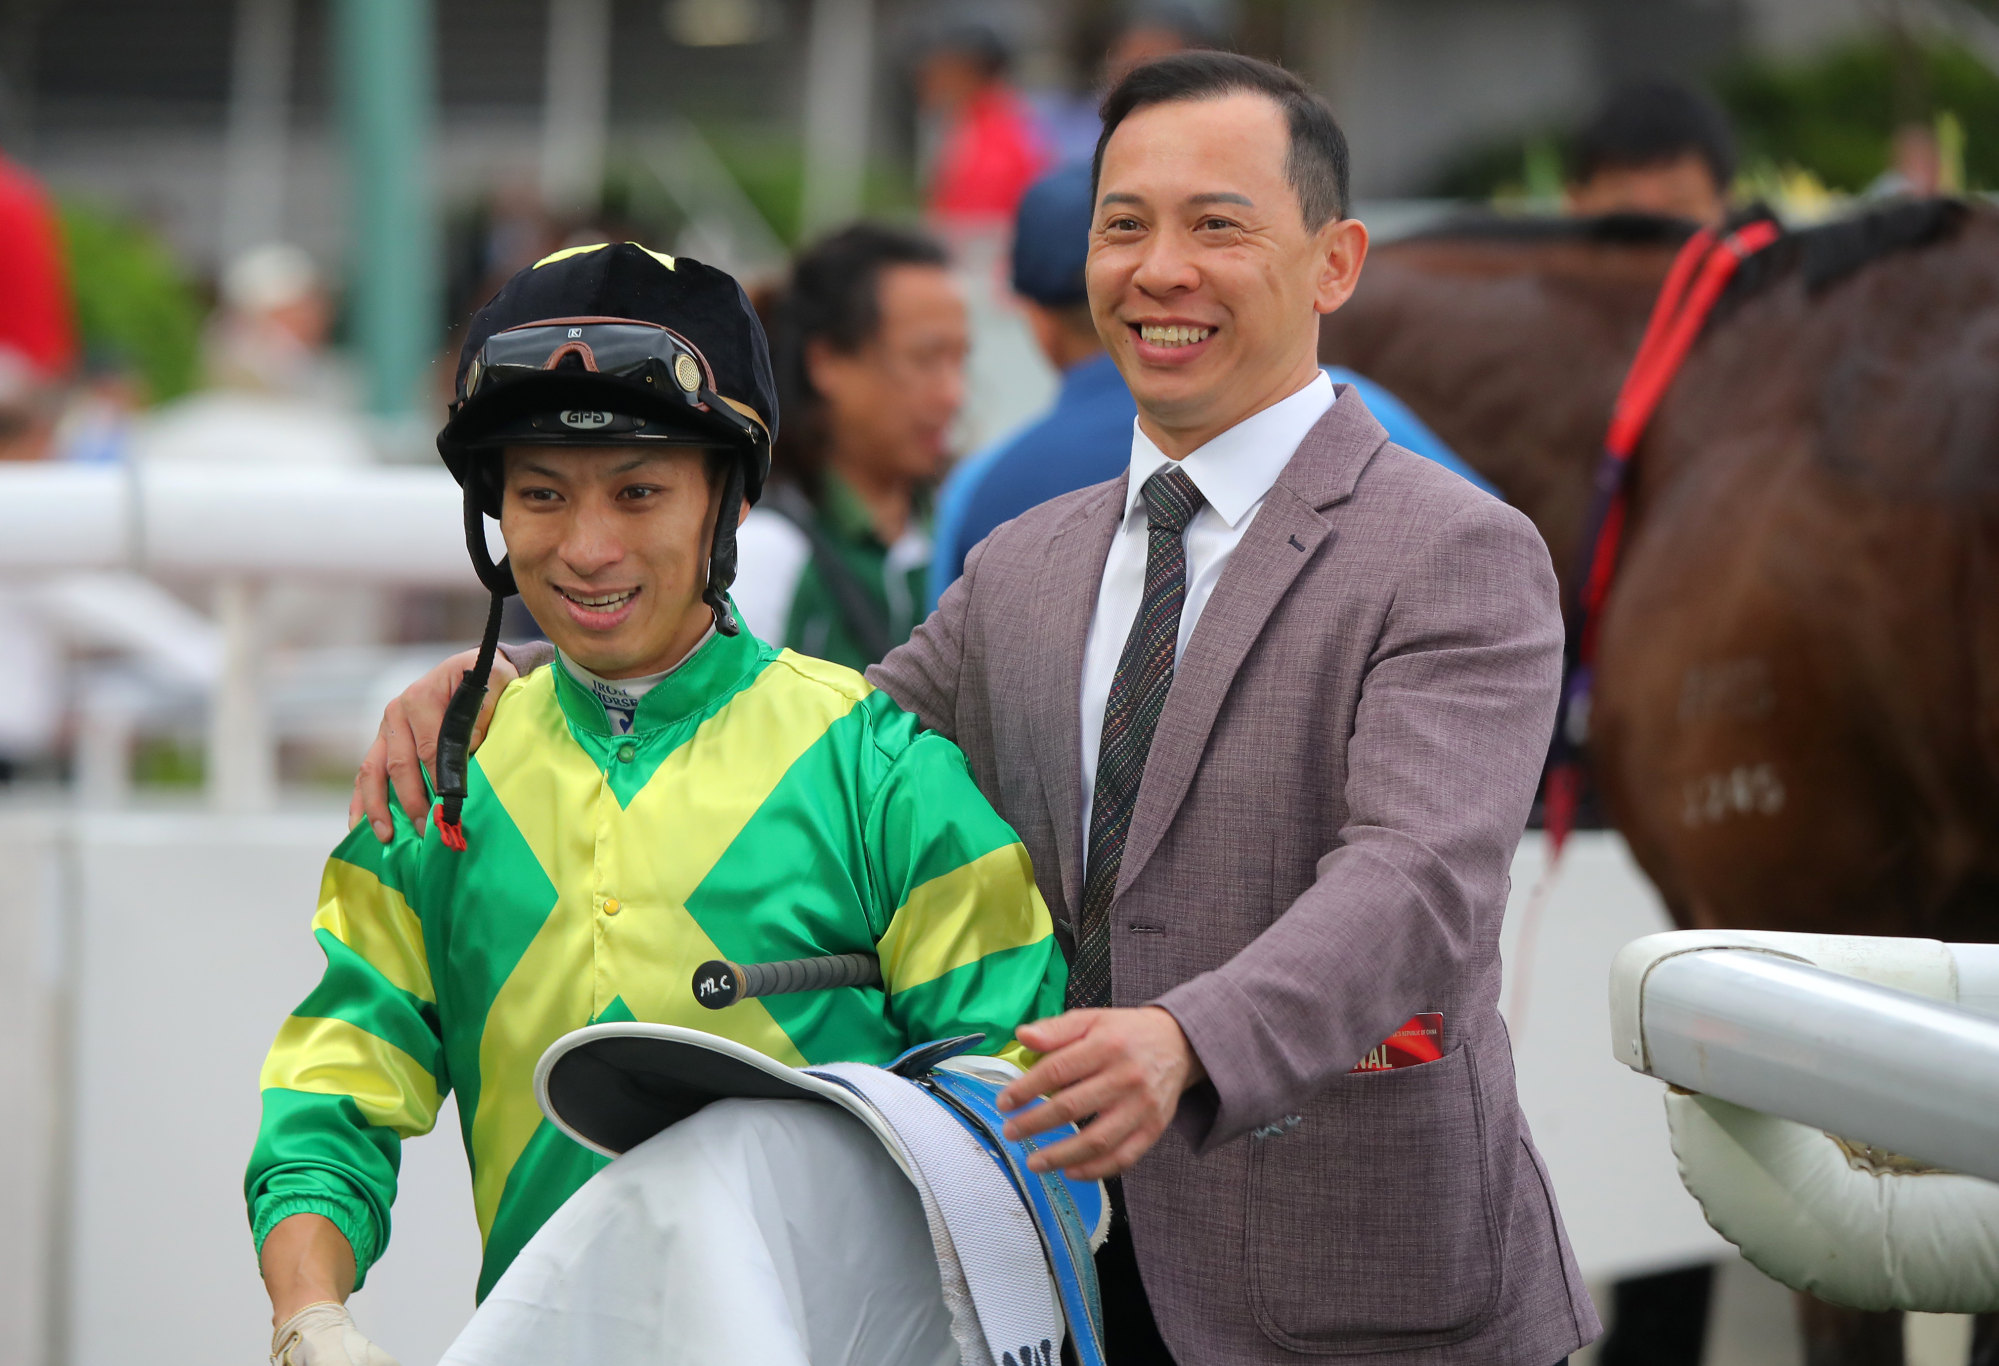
pixel 1833 115
pixel 1836 115
pixel 135 305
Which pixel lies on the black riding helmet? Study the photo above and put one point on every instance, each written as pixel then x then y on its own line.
pixel 605 345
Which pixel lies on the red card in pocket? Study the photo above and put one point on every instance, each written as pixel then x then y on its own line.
pixel 1419 1041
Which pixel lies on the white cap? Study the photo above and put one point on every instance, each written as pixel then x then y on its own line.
pixel 270 276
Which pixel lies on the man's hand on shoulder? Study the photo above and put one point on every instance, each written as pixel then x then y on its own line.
pixel 1128 1068
pixel 405 747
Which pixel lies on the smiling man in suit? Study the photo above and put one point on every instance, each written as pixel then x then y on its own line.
pixel 1268 711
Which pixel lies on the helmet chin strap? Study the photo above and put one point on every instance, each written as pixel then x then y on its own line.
pixel 722 553
pixel 499 578
pixel 454 735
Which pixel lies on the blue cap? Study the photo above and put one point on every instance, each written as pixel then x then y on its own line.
pixel 1051 237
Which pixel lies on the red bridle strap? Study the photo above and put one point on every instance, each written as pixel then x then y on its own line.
pixel 1691 289
pixel 1699 275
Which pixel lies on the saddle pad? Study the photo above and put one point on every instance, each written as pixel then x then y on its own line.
pixel 612 1086
pixel 997 1244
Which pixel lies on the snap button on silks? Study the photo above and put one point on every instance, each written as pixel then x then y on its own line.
pixel 611 906
pixel 627 753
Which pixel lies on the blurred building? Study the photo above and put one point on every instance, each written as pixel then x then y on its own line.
pixel 216 118
pixel 1416 82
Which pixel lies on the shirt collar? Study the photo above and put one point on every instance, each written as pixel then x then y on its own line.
pixel 1236 469
pixel 714 667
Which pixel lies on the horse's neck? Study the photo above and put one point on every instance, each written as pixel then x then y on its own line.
pixel 1515 363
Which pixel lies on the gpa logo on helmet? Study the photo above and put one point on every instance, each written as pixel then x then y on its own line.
pixel 585 420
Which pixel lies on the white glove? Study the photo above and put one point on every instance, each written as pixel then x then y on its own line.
pixel 324 1335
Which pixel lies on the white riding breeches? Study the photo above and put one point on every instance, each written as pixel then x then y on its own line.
pixel 773 1232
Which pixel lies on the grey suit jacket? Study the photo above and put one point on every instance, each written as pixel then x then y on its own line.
pixel 1320 850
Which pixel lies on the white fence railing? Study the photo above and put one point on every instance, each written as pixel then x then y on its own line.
pixel 371 525
pixel 1836 1110
pixel 98 535
pixel 1911 1073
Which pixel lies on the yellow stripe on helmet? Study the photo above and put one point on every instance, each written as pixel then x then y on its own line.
pixel 568 252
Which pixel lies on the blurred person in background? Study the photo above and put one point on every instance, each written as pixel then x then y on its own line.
pixel 36 325
pixel 37 351
pixel 31 684
pixel 1141 32
pixel 868 340
pixel 270 335
pixel 1654 147
pixel 103 409
pixel 518 231
pixel 1086 437
pixel 275 390
pixel 30 404
pixel 1153 29
pixel 277 398
pixel 1915 165
pixel 987 145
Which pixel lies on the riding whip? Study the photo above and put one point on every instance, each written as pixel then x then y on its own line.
pixel 719 983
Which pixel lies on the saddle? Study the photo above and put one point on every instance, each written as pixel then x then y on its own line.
pixel 1014 1247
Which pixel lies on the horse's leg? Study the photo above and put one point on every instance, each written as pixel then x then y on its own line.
pixel 1985 1340
pixel 1659 1320
pixel 1849 1337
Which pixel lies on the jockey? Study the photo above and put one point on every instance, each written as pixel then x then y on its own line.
pixel 670 790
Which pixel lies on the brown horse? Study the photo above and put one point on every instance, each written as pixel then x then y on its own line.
pixel 1796 713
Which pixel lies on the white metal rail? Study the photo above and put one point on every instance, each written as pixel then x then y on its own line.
pixel 372 525
pixel 238 528
pixel 1911 1067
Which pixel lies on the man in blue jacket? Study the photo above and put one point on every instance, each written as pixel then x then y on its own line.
pixel 1086 437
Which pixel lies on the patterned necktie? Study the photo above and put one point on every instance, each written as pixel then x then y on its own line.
pixel 1138 693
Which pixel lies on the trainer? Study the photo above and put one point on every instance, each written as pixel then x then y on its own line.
pixel 1268 711
pixel 1085 438
pixel 1316 675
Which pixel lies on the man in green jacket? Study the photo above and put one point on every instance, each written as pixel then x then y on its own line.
pixel 869 336
pixel 670 790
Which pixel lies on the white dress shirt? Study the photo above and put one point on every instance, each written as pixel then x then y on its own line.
pixel 1234 472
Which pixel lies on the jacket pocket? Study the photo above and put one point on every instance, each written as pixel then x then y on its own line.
pixel 1370 1221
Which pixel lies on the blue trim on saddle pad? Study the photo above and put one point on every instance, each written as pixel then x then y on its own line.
pixel 1072 1217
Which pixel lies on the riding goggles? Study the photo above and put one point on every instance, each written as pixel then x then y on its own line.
pixel 653 361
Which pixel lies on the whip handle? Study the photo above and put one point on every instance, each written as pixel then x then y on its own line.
pixel 721 983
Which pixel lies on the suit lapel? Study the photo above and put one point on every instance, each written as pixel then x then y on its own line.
pixel 1287 532
pixel 1065 598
